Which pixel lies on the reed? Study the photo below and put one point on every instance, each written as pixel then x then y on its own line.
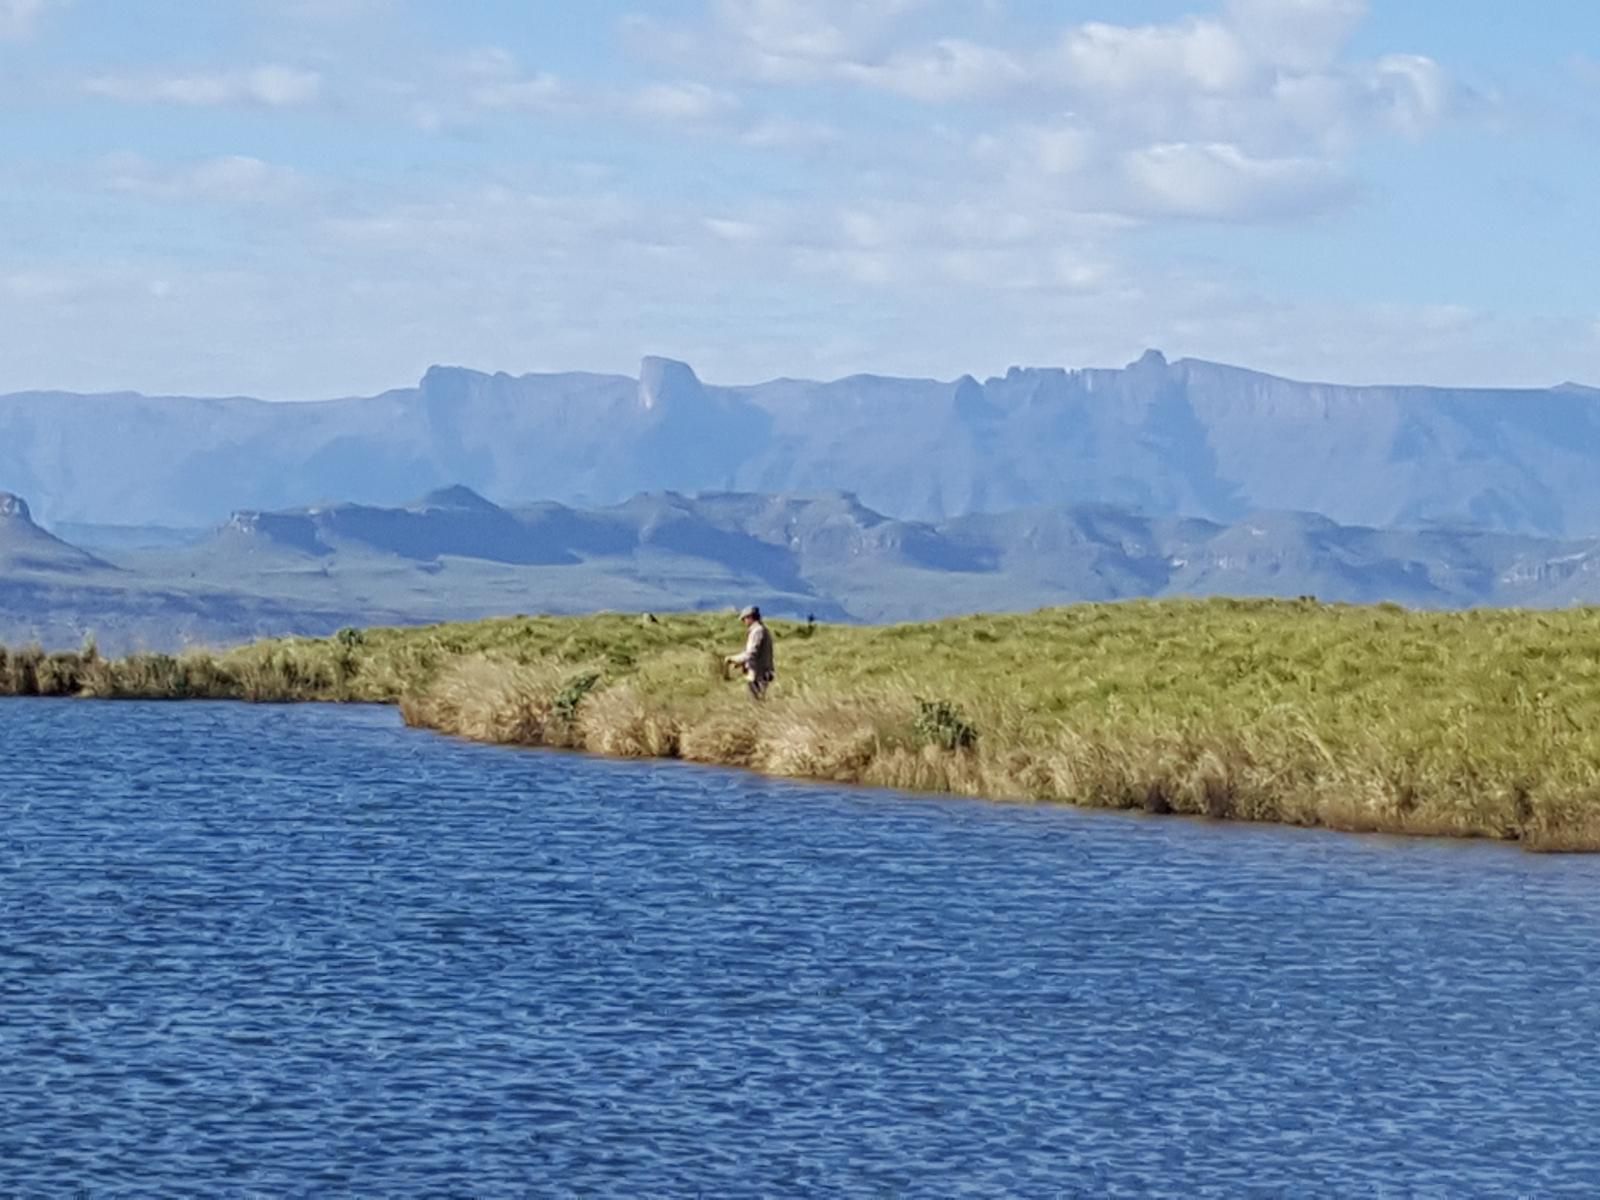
pixel 1475 724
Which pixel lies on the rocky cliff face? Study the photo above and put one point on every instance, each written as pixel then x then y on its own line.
pixel 1166 438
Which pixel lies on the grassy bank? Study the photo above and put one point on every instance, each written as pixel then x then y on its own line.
pixel 1482 724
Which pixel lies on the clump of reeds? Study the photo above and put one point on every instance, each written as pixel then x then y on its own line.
pixel 621 722
pixel 490 701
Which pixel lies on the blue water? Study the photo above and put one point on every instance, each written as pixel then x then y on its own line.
pixel 305 951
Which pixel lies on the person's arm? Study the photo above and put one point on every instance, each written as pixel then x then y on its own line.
pixel 751 645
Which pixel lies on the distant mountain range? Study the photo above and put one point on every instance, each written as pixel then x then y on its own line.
pixel 1187 437
pixel 453 555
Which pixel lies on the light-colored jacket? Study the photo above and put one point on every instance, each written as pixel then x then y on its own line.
pixel 757 657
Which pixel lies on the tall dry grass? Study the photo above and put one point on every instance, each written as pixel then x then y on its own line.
pixel 1480 724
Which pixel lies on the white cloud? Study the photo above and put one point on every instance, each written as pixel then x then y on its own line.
pixel 1217 181
pixel 817 31
pixel 1263 71
pixel 490 79
pixel 1243 116
pixel 1410 93
pixel 929 245
pixel 986 214
pixel 272 86
pixel 1072 167
pixel 20 18
pixel 950 69
pixel 1199 55
pixel 1300 35
pixel 489 219
pixel 775 41
pixel 739 232
pixel 688 102
pixel 1058 150
pixel 323 13
pixel 539 93
pixel 231 179
pixel 788 133
pixel 35 285
pixel 484 62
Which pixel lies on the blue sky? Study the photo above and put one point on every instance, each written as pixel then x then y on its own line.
pixel 307 198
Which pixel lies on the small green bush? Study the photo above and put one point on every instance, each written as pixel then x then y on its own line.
pixel 940 723
pixel 565 705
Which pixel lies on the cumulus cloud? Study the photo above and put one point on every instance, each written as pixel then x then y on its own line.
pixel 1072 165
pixel 1299 35
pixel 1266 74
pixel 1246 113
pixel 1200 76
pixel 1199 55
pixel 271 86
pixel 1217 181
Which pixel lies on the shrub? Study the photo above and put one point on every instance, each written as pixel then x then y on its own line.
pixel 941 723
pixel 565 706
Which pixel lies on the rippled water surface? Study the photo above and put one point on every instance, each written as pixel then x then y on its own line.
pixel 289 951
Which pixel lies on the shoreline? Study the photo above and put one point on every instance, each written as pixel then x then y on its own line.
pixel 1482 724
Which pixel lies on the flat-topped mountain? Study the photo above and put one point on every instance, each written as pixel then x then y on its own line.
pixel 27 549
pixel 1166 438
pixel 448 521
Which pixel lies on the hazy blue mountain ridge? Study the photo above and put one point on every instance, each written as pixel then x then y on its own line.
pixel 1187 437
pixel 454 555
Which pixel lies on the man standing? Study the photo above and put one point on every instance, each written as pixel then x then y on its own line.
pixel 756 661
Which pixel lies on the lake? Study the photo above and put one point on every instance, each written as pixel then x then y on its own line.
pixel 252 950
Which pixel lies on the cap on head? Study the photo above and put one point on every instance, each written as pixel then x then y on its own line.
pixel 749 612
